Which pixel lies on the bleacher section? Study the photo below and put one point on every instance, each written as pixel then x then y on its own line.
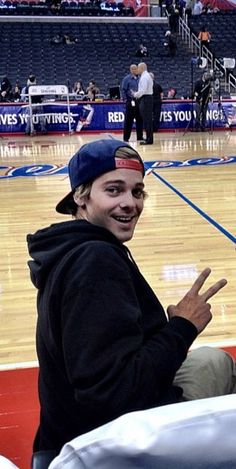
pixel 104 53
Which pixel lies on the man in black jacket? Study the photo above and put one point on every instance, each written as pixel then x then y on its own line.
pixel 170 43
pixel 105 345
pixel 202 96
pixel 157 103
pixel 5 90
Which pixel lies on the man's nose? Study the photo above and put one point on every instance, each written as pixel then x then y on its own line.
pixel 127 200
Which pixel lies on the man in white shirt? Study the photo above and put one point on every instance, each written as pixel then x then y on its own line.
pixel 145 97
pixel 197 9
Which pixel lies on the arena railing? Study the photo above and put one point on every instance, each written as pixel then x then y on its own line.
pixel 229 80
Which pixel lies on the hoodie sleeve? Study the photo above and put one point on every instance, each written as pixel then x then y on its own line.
pixel 109 360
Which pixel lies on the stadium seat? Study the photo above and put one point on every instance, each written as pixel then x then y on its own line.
pixel 104 49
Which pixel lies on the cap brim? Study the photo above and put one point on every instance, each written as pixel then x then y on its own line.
pixel 67 205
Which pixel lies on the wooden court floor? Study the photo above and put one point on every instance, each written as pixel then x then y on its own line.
pixel 189 223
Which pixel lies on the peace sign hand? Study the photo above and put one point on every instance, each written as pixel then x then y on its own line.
pixel 194 306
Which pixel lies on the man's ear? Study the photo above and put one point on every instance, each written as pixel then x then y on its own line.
pixel 79 200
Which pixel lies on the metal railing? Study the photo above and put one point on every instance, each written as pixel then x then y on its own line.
pixel 232 83
pixel 228 80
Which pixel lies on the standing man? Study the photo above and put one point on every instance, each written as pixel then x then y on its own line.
pixel 170 43
pixel 197 9
pixel 202 96
pixel 128 86
pixel 145 96
pixel 173 14
pixel 157 101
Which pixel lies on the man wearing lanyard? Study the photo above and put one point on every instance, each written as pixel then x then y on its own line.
pixel 128 86
pixel 145 96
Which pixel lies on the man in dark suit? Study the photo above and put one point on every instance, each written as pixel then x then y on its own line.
pixel 202 95
pixel 157 101
pixel 128 86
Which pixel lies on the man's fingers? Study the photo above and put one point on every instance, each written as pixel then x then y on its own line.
pixel 214 289
pixel 197 285
pixel 171 310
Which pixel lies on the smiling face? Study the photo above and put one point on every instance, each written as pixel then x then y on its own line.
pixel 115 202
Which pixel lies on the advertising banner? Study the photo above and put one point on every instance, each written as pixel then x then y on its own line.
pixel 108 116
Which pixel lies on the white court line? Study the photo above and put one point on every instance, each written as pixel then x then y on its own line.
pixel 18 366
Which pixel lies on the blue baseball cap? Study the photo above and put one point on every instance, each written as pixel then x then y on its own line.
pixel 91 161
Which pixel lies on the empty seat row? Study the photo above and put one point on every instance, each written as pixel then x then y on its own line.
pixel 104 61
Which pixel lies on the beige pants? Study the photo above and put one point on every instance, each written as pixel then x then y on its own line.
pixel 206 372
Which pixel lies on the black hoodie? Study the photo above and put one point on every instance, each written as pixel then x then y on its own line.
pixel 104 344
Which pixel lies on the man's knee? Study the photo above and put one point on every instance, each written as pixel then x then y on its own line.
pixel 212 357
pixel 207 372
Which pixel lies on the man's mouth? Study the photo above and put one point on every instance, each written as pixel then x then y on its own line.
pixel 123 219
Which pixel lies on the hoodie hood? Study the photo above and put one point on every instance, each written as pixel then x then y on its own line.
pixel 49 245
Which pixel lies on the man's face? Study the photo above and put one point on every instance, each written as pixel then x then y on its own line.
pixel 134 70
pixel 116 202
pixel 141 68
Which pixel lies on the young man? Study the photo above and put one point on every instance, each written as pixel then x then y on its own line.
pixel 104 343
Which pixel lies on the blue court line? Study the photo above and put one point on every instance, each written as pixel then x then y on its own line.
pixel 198 210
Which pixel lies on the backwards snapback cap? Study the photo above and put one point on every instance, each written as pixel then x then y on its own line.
pixel 91 161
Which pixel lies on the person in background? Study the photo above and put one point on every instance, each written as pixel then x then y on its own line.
pixel 16 93
pixel 188 10
pixel 57 39
pixel 128 86
pixel 202 96
pixel 157 102
pixel 197 9
pixel 208 8
pixel 171 94
pixel 92 86
pixel 5 89
pixel 173 16
pixel 55 6
pixel 170 43
pixel 105 345
pixel 145 97
pixel 204 37
pixel 36 100
pixel 90 96
pixel 69 39
pixel 78 88
pixel 142 51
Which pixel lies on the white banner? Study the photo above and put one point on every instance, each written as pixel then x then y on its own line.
pixel 47 89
